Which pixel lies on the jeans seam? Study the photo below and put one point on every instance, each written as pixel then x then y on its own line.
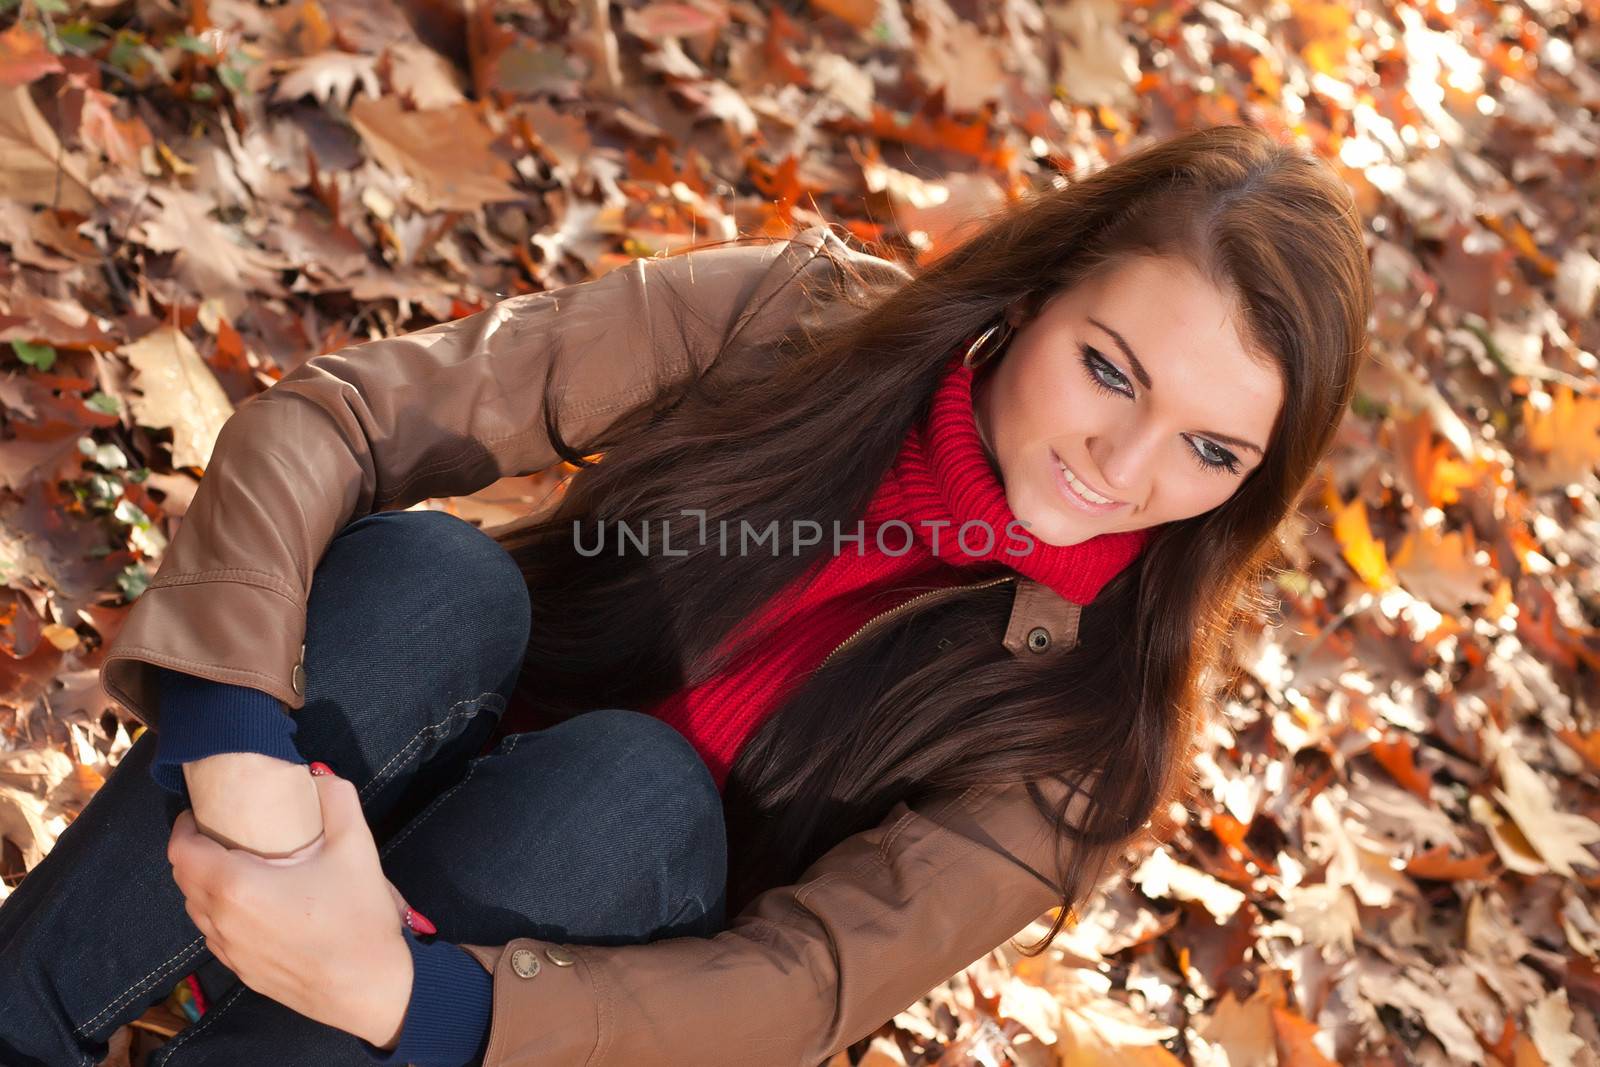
pixel 171 1049
pixel 383 774
pixel 178 960
pixel 511 743
pixel 691 902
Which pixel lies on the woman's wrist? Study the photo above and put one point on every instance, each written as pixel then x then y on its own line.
pixel 391 979
pixel 258 803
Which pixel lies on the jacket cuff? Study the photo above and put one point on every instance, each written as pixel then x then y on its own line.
pixel 256 641
pixel 201 718
pixel 447 1018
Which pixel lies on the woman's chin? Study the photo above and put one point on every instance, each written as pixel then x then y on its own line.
pixel 1058 533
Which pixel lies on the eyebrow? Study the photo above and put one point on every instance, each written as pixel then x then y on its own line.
pixel 1144 379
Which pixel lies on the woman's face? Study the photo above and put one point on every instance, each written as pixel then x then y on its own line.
pixel 1137 381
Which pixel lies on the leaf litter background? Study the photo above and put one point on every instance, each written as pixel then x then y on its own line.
pixel 1394 856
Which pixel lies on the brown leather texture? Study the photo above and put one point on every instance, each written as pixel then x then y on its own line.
pixel 804 970
pixel 1043 623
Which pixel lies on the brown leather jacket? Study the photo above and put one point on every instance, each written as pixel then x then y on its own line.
pixel 804 970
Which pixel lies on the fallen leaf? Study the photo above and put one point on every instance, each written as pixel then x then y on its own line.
pixel 178 392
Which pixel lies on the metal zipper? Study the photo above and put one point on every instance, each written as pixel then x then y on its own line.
pixel 898 608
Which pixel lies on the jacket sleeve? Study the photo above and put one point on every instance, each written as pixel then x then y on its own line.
pixel 438 412
pixel 805 970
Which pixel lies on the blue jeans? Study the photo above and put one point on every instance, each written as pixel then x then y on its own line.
pixel 604 829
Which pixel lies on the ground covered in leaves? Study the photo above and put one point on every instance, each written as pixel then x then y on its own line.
pixel 1394 857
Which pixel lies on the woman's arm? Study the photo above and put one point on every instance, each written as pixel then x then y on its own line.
pixel 229 751
pixel 438 412
pixel 806 969
pixel 201 718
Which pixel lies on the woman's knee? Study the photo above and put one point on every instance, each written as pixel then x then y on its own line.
pixel 409 587
pixel 416 626
pixel 415 559
pixel 603 829
pixel 663 803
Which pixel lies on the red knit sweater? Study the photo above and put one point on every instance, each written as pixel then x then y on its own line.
pixel 940 479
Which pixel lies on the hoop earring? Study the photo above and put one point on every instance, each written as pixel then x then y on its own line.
pixel 980 351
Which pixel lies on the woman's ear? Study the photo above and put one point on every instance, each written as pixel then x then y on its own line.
pixel 1022 310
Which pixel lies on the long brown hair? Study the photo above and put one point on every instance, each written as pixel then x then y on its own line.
pixel 806 425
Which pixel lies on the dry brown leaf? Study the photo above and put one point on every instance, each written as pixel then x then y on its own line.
pixel 22 822
pixel 331 78
pixel 1417 993
pixel 423 77
pixel 178 391
pixel 211 257
pixel 1243 1030
pixel 1557 836
pixel 1440 567
pixel 446 152
pixel 35 770
pixel 34 167
pixel 1162 876
pixel 1098 64
pixel 1550 1027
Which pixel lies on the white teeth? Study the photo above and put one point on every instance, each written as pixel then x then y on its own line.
pixel 1088 494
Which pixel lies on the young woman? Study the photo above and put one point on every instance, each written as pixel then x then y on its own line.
pixel 883 625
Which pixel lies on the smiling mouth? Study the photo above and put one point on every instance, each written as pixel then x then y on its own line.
pixel 1079 494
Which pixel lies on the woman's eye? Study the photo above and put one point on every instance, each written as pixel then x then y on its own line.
pixel 1216 458
pixel 1102 373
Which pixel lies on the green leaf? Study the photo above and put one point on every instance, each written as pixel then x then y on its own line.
pixel 103 489
pixel 127 51
pixel 190 43
pixel 103 403
pixel 130 513
pixel 40 357
pixel 202 91
pixel 51 7
pixel 79 35
pixel 1368 407
pixel 1295 582
pixel 133 580
pixel 232 77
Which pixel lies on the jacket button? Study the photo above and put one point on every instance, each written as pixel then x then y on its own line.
pixel 525 963
pixel 298 678
pixel 1038 639
pixel 559 956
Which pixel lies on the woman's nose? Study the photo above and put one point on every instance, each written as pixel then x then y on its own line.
pixel 1125 464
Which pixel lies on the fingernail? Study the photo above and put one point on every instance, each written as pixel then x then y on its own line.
pixel 318 769
pixel 419 922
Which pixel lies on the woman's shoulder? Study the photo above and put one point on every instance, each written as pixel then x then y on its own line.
pixel 758 287
pixel 822 244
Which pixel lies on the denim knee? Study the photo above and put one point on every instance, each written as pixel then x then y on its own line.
pixel 440 557
pixel 416 629
pixel 674 799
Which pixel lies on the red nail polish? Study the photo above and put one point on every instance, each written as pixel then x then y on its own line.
pixel 419 922
pixel 318 768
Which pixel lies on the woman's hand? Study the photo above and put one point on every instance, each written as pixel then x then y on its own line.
pixel 317 931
